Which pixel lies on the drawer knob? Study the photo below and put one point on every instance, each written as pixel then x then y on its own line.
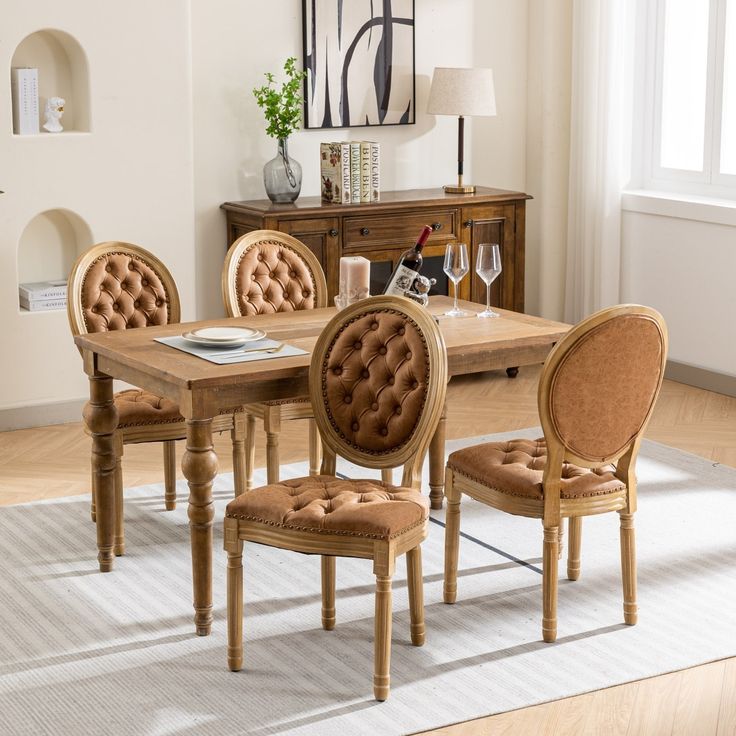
pixel 333 233
pixel 468 223
pixel 365 231
pixel 436 226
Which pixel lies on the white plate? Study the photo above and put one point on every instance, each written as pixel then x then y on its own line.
pixel 223 337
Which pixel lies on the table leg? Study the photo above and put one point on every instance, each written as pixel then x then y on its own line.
pixel 199 465
pixel 437 464
pixel 101 418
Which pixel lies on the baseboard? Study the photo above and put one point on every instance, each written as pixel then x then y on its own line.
pixel 41 415
pixel 721 383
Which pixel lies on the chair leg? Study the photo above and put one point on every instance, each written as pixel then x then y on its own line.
pixel 272 424
pixel 560 539
pixel 328 592
pixel 573 551
pixel 170 474
pixel 235 606
pixel 315 448
pixel 452 538
pixel 628 567
pixel 119 537
pixel 416 595
pixel 238 437
pixel 250 450
pixel 387 475
pixel 382 640
pixel 549 583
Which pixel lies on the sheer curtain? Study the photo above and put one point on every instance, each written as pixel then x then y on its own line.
pixel 600 151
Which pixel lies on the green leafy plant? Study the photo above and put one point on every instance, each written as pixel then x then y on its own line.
pixel 282 109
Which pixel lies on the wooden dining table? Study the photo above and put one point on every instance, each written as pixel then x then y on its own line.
pixel 204 390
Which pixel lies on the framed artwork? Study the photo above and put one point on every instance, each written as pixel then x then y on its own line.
pixel 359 59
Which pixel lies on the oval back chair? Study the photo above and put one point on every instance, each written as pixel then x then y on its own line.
pixel 266 271
pixel 119 286
pixel 377 383
pixel 596 394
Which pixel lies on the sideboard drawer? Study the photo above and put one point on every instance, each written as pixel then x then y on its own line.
pixel 400 229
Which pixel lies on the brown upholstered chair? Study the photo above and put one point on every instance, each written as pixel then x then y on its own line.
pixel 596 394
pixel 118 286
pixel 377 384
pixel 264 272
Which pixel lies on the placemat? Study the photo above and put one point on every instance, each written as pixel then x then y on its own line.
pixel 225 356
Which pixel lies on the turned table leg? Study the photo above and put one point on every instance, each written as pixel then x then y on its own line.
pixel 200 467
pixel 437 464
pixel 101 418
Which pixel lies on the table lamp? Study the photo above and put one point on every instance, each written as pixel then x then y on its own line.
pixel 461 92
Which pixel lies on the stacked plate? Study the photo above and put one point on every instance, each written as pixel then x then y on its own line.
pixel 223 337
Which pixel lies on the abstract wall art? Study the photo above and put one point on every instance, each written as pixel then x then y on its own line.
pixel 359 59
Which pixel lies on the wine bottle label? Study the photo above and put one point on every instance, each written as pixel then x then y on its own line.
pixel 401 281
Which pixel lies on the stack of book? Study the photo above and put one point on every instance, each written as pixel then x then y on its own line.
pixel 42 296
pixel 24 86
pixel 350 172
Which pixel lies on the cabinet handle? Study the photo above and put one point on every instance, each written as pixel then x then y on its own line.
pixel 436 226
pixel 365 231
pixel 468 223
pixel 333 233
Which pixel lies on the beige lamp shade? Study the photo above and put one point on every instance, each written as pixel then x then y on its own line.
pixel 467 92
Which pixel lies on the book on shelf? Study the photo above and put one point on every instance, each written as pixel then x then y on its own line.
pixel 347 194
pixel 375 172
pixel 330 172
pixel 355 173
pixel 24 91
pixel 43 305
pixel 365 172
pixel 40 290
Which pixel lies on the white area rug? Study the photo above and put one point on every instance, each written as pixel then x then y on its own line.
pixel 84 653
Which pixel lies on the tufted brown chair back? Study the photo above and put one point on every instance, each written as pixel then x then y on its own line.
pixel 377 384
pixel 600 383
pixel 114 286
pixel 266 271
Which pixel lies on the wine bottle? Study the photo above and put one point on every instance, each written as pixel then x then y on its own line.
pixel 410 261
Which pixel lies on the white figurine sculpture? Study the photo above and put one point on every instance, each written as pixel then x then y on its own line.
pixel 54 110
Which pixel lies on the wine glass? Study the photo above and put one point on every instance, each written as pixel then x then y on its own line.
pixel 488 267
pixel 456 266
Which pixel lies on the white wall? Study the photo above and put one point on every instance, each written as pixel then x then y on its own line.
pixel 685 268
pixel 230 145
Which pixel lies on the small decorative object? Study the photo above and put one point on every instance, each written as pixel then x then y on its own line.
pixel 355 278
pixel 282 176
pixel 461 92
pixel 419 291
pixel 360 63
pixel 53 112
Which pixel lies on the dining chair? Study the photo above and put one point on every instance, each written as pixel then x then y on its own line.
pixel 377 383
pixel 119 286
pixel 266 271
pixel 596 394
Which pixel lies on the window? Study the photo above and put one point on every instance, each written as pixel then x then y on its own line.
pixel 692 129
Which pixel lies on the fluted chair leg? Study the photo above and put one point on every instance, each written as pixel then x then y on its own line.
pixel 452 538
pixel 628 567
pixel 119 536
pixel 238 437
pixel 416 595
pixel 170 474
pixel 235 607
pixel 250 450
pixel 272 425
pixel 328 593
pixel 93 500
pixel 550 557
pixel 573 552
pixel 315 448
pixel 560 539
pixel 382 641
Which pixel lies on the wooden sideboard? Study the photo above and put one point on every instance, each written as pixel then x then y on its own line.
pixel 380 231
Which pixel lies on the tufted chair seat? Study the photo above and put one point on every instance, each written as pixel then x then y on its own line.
pixel 137 408
pixel 266 272
pixel 326 504
pixel 516 468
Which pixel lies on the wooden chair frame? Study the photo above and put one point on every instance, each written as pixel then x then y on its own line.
pixel 166 432
pixel 382 552
pixel 552 508
pixel 272 414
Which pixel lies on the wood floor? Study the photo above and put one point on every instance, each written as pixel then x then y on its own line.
pixel 54 461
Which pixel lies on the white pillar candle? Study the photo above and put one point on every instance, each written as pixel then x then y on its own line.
pixel 355 278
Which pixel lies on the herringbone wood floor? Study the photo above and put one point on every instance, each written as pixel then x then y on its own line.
pixel 54 461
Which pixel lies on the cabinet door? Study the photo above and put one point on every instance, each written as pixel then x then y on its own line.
pixel 494 224
pixel 322 237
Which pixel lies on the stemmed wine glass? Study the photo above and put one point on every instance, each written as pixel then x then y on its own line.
pixel 456 266
pixel 488 267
